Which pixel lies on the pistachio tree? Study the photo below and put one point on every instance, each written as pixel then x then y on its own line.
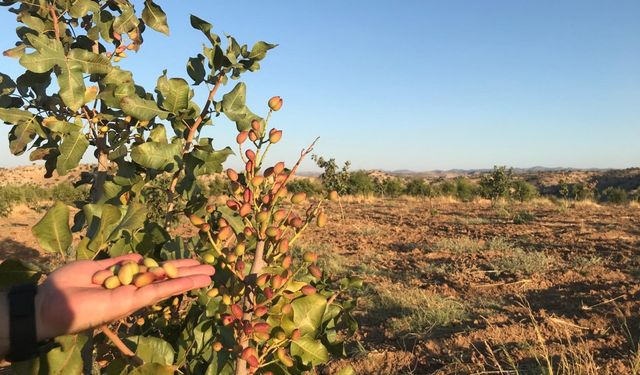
pixel 269 310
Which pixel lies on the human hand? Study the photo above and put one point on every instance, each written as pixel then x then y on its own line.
pixel 68 302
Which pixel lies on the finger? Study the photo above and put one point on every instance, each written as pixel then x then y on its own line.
pixel 105 263
pixel 201 269
pixel 153 293
pixel 183 262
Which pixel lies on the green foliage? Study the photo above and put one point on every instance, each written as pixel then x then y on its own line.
pixel 466 190
pixel 614 195
pixel 305 185
pixel 333 177
pixel 360 183
pixel 151 161
pixel 523 217
pixel 497 184
pixel 418 187
pixel 524 191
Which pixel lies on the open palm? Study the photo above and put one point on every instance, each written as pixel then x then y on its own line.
pixel 68 302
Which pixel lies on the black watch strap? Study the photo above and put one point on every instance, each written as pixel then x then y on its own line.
pixel 23 342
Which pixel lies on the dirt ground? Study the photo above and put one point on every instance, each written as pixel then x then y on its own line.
pixel 460 288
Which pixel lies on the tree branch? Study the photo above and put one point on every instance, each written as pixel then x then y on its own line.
pixel 121 346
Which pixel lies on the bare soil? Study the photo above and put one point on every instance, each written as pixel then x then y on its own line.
pixel 580 303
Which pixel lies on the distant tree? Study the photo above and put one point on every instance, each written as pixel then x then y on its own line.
pixel 465 190
pixel 333 177
pixel 360 183
pixel 418 187
pixel 392 187
pixel 524 191
pixel 497 184
pixel 614 195
pixel 304 185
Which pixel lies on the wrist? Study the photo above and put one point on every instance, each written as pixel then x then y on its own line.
pixel 4 324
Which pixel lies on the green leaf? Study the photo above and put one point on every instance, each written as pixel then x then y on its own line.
pixel 142 109
pixel 155 17
pixel 132 221
pixel 7 86
pixel 52 231
pixel 49 52
pixel 89 62
pixel 109 219
pixel 259 50
pixel 195 69
pixel 204 26
pixel 152 349
pixel 14 271
pixel 208 161
pixel 17 116
pixel 308 312
pixel 158 134
pixel 153 369
pixel 156 155
pixel 21 135
pixel 73 147
pixel 233 106
pixel 81 8
pixel 72 87
pixel 310 351
pixel 67 358
pixel 127 21
pixel 174 94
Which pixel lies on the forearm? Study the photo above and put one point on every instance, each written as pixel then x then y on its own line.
pixel 4 324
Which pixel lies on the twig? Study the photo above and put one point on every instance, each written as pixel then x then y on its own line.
pixel 54 16
pixel 303 154
pixel 587 308
pixel 503 283
pixel 121 346
pixel 560 321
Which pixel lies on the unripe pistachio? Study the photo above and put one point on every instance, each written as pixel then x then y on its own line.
pixel 296 222
pixel 213 292
pixel 296 334
pixel 286 309
pixel 278 168
pixel 257 181
pixel 240 265
pixel 251 155
pixel 279 215
pixel 222 222
pixel 249 232
pixel 142 268
pixel 225 233
pixel 286 261
pixel 253 136
pixel 171 270
pixel 236 311
pixel 284 358
pixel 266 199
pixel 247 196
pixel 275 103
pixel 104 129
pixel 278 334
pixel 249 167
pixel 268 172
pixel 231 257
pixel 262 217
pixel 125 274
pixel 260 311
pixel 255 125
pixel 143 279
pixel 310 256
pixel 158 272
pixel 308 290
pixel 253 363
pixel 112 282
pixel 245 210
pixel 217 346
pixel 315 271
pixel 233 204
pixel 277 281
pixel 333 196
pixel 283 246
pixel 204 228
pixel 100 276
pixel 131 47
pixel 117 59
pixel 321 220
pixel 196 220
pixel 268 292
pixel 227 319
pixel 241 137
pixel 239 249
pixel 209 258
pixel 275 135
pixel 262 280
pixel 273 232
pixel 226 299
pixel 233 175
pixel 299 197
pixel 140 321
pixel 150 262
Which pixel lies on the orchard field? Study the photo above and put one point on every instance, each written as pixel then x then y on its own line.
pixel 455 287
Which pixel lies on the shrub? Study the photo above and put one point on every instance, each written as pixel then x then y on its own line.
pixel 445 188
pixel 69 194
pixel 333 178
pixel 523 217
pixel 614 195
pixel 418 187
pixel 524 191
pixel 392 187
pixel 465 190
pixel 360 183
pixel 497 184
pixel 305 185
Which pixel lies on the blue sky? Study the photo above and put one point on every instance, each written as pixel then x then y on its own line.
pixel 424 85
